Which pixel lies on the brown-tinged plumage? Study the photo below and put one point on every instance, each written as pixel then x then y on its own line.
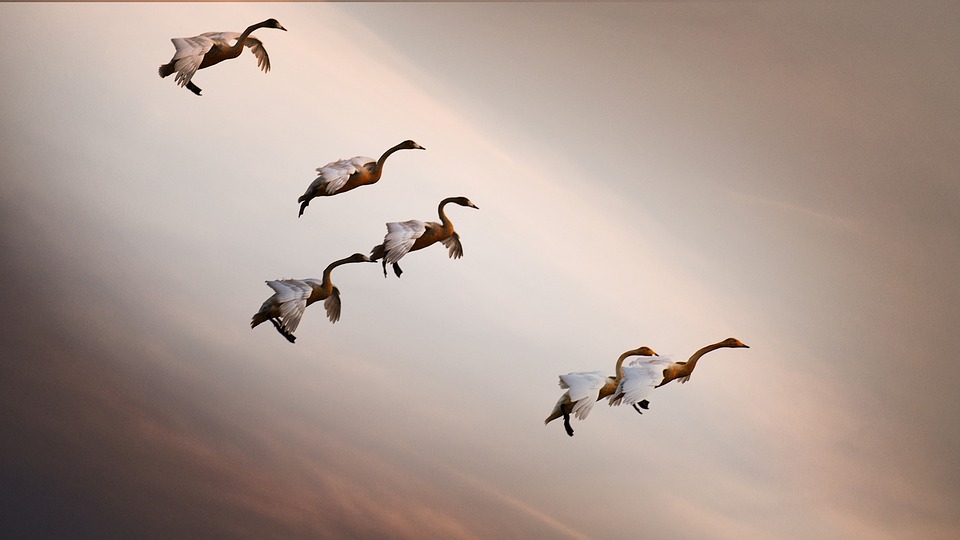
pixel 211 48
pixel 345 174
pixel 407 236
pixel 584 389
pixel 292 296
pixel 643 375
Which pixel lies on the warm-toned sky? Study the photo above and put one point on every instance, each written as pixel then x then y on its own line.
pixel 647 174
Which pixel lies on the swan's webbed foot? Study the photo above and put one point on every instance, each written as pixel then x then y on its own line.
pixel 303 207
pixel 290 337
pixel 397 270
pixel 642 404
pixel 566 420
pixel 193 88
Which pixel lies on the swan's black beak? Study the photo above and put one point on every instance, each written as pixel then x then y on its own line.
pixel 744 345
pixel 418 147
pixel 281 28
pixel 474 206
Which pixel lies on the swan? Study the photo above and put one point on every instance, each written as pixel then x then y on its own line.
pixel 211 48
pixel 586 388
pixel 643 375
pixel 412 235
pixel 346 174
pixel 292 296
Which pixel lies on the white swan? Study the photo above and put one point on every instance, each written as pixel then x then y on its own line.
pixel 407 236
pixel 211 48
pixel 292 296
pixel 345 174
pixel 643 375
pixel 585 388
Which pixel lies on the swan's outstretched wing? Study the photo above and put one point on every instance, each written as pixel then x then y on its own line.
pixel 332 305
pixel 454 249
pixel 400 238
pixel 639 378
pixel 334 176
pixel 582 390
pixel 256 47
pixel 189 55
pixel 291 298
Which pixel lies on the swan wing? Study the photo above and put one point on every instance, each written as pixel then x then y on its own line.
pixel 582 390
pixel 333 176
pixel 256 47
pixel 400 238
pixel 223 39
pixel 189 55
pixel 291 298
pixel 332 305
pixel 639 378
pixel 454 248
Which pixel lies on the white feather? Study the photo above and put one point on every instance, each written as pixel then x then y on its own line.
pixel 582 390
pixel 290 296
pixel 334 175
pixel 189 55
pixel 400 238
pixel 639 378
pixel 191 50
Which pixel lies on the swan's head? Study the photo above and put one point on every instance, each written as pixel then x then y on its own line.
pixel 463 201
pixel 733 343
pixel 273 23
pixel 359 257
pixel 643 351
pixel 410 145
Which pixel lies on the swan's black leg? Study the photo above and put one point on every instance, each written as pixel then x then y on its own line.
pixel 193 88
pixel 397 270
pixel 303 207
pixel 384 267
pixel 566 419
pixel 642 404
pixel 290 337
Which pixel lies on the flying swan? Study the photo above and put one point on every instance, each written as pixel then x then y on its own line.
pixel 586 388
pixel 292 296
pixel 643 375
pixel 412 235
pixel 211 48
pixel 346 174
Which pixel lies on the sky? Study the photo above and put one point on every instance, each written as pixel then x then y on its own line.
pixel 659 174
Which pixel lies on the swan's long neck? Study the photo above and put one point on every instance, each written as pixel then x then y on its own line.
pixel 327 284
pixel 444 220
pixel 692 362
pixel 386 154
pixel 620 360
pixel 242 38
